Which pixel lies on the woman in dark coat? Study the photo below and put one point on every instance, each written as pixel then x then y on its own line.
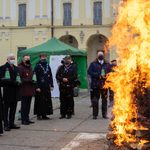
pixel 43 102
pixel 27 89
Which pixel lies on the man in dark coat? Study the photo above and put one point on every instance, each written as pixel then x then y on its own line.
pixel 27 89
pixel 43 102
pixel 1 114
pixel 66 75
pixel 8 75
pixel 98 71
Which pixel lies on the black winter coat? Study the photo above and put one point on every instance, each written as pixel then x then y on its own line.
pixel 69 72
pixel 95 73
pixel 43 102
pixel 43 75
pixel 10 86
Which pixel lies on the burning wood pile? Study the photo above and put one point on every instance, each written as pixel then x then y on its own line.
pixel 130 125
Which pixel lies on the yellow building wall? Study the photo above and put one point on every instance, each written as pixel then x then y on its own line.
pixel 1 7
pixel 4 45
pixel 38 30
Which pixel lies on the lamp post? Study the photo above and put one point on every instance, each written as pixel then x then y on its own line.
pixel 52 18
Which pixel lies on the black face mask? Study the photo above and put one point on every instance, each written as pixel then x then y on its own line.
pixel 100 57
pixel 67 63
pixel 28 62
pixel 43 61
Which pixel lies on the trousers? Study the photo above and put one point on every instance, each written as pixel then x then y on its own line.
pixel 66 101
pixel 25 107
pixel 9 113
pixel 95 96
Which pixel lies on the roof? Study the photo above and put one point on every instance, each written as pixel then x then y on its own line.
pixel 53 47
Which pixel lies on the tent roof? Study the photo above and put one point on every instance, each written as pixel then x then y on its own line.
pixel 53 47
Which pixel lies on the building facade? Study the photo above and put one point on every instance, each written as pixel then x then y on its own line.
pixel 85 24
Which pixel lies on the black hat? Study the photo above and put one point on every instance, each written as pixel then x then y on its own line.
pixel 43 54
pixel 67 57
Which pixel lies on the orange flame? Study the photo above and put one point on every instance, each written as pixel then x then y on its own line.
pixel 131 38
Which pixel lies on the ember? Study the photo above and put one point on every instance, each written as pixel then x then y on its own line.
pixel 130 126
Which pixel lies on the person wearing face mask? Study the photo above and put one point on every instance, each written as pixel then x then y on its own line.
pixel 66 76
pixel 43 103
pixel 97 72
pixel 8 75
pixel 27 89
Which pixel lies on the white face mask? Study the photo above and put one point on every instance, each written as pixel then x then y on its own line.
pixel 12 62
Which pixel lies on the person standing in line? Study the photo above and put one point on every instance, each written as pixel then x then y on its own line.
pixel 8 74
pixel 66 76
pixel 43 102
pixel 27 89
pixel 98 70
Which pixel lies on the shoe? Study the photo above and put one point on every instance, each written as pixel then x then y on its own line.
pixel 25 123
pixel 14 126
pixel 39 117
pixel 45 118
pixel 105 117
pixel 94 117
pixel 62 117
pixel 31 122
pixel 69 117
pixel 6 128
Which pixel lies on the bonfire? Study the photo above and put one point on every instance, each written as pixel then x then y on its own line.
pixel 130 125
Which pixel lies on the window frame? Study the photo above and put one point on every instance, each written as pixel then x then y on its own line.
pixel 21 48
pixel 67 19
pixel 20 22
pixel 97 17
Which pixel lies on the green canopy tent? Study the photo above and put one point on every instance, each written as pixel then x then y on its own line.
pixel 56 47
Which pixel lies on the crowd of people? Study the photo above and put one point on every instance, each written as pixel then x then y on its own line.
pixel 21 83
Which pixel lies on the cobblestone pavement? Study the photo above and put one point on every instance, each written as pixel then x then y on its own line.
pixel 55 134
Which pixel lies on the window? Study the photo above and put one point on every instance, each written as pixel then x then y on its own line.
pixel 67 14
pixel 22 15
pixel 97 13
pixel 21 48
